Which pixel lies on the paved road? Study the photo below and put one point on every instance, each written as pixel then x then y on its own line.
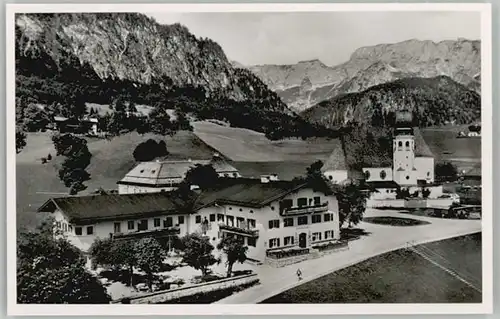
pixel 381 239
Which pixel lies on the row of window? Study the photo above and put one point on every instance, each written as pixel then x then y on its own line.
pixel 290 240
pixel 78 230
pixel 141 225
pixel 250 241
pixel 228 220
pixel 301 220
pixel 301 202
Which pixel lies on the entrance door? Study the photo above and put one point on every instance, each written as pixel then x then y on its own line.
pixel 303 240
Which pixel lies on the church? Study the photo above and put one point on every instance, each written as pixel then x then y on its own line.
pixel 412 164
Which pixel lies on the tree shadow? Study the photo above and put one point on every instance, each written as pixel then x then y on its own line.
pixel 350 234
pixel 122 276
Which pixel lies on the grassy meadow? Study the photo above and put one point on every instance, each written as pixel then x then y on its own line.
pixel 400 276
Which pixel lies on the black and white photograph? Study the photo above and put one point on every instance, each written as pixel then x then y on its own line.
pixel 249 159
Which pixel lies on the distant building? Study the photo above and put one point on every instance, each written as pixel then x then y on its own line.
pixel 267 215
pixel 412 164
pixel 70 125
pixel 158 176
pixel 472 177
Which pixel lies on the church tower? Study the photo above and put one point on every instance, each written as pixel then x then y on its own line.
pixel 404 171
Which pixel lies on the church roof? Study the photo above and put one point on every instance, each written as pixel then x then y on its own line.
pixel 336 160
pixel 421 147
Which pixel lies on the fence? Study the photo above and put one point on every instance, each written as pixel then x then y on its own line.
pixel 411 203
pixel 440 261
pixel 186 291
pixel 285 258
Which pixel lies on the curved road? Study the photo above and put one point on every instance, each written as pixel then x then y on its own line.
pixel 381 239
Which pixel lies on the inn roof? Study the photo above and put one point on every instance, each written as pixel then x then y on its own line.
pixel 89 209
pixel 157 173
pixel 230 191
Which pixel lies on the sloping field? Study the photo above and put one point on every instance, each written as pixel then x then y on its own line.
pixel 111 160
pixel 400 276
pixel 445 146
pixel 285 170
pixel 250 146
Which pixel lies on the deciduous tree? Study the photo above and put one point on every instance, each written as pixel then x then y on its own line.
pixel 352 203
pixel 77 154
pixel 51 270
pixel 204 176
pixel 35 118
pixel 446 171
pixel 20 140
pixel 150 256
pixel 235 251
pixel 198 252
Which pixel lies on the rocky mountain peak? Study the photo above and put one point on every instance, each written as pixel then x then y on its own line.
pixel 372 65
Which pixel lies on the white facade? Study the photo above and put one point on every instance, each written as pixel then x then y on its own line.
pixel 383 193
pixel 336 176
pixel 309 218
pixel 377 174
pixel 425 169
pixel 136 189
pixel 83 235
pixel 404 160
pixel 276 236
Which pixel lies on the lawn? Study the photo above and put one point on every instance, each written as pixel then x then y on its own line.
pixel 400 276
pixel 243 145
pixel 446 147
pixel 394 221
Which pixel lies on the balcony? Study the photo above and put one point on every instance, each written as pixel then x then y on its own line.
pixel 323 207
pixel 156 233
pixel 238 230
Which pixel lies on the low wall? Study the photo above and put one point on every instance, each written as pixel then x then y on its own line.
pixel 411 203
pixel 385 203
pixel 282 262
pixel 172 294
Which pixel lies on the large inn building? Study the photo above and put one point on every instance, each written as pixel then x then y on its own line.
pixel 266 214
pixel 164 176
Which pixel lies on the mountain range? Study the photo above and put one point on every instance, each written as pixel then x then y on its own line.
pixel 433 102
pixel 100 56
pixel 307 83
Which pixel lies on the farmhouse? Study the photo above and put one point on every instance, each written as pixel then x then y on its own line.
pixel 267 215
pixel 86 125
pixel 158 176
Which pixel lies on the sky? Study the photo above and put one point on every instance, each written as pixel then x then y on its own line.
pixel 286 38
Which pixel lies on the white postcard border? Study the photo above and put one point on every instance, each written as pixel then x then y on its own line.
pixel 249 309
